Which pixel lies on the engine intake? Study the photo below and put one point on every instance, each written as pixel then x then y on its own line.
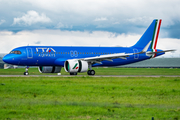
pixel 49 69
pixel 74 66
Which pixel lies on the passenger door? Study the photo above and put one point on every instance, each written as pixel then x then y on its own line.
pixel 29 53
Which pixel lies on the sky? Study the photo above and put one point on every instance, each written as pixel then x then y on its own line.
pixel 87 23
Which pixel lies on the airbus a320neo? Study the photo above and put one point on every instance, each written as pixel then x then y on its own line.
pixel 50 59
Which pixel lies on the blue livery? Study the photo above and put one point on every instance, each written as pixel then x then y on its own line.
pixel 50 59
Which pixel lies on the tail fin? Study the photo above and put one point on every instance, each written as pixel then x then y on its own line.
pixel 151 34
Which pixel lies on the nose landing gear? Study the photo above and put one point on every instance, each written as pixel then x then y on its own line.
pixel 26 73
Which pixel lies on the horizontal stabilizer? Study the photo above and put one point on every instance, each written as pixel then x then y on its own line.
pixel 151 53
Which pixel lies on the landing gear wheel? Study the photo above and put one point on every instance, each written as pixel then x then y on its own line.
pixel 88 72
pixel 73 73
pixel 91 72
pixel 26 73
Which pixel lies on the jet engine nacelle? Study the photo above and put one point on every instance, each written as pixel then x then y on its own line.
pixel 49 69
pixel 74 66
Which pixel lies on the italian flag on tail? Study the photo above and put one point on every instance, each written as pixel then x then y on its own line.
pixel 155 37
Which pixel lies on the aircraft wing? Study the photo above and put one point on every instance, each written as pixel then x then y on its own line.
pixel 109 57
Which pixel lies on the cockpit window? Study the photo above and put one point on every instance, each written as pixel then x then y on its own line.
pixel 15 52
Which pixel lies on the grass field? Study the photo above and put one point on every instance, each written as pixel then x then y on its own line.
pixel 101 71
pixel 82 98
pixel 136 98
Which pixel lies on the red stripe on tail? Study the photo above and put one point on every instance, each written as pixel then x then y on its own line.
pixel 157 34
pixel 155 53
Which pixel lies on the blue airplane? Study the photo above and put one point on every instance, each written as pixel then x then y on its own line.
pixel 50 59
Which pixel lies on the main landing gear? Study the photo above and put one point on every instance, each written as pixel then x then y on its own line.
pixel 91 72
pixel 26 73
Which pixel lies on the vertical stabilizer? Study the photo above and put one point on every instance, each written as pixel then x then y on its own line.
pixel 151 34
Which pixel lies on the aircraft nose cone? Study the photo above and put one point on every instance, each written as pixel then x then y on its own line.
pixel 6 59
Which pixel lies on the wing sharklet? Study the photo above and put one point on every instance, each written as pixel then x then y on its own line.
pixel 145 49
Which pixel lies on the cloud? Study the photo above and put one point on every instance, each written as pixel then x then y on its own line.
pixel 169 43
pixel 38 42
pixel 2 21
pixel 63 38
pixel 32 17
pixel 144 20
pixel 61 25
pixel 101 19
pixel 129 16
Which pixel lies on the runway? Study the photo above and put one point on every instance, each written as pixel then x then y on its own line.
pixel 89 76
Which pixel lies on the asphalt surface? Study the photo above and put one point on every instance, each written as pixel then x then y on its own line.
pixel 89 76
